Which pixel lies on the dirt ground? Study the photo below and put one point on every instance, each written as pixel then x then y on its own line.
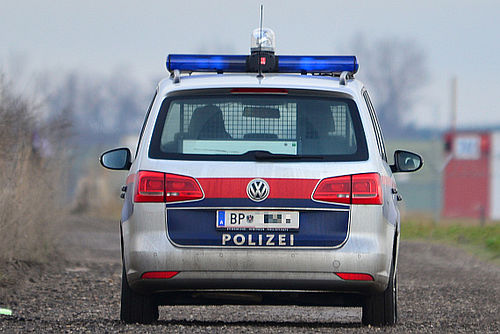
pixel 441 290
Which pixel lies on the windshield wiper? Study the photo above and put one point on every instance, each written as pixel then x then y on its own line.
pixel 266 155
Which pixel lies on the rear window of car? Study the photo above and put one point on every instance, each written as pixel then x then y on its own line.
pixel 221 125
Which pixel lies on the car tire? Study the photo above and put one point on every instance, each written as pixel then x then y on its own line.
pixel 381 309
pixel 135 307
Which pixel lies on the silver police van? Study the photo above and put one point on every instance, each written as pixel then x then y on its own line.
pixel 260 179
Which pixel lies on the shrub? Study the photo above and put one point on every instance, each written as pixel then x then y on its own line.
pixel 31 176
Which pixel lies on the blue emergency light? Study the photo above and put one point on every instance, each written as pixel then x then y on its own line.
pixel 317 64
pixel 244 63
pixel 207 63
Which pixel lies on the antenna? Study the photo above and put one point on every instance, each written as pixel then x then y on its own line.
pixel 261 18
pixel 259 75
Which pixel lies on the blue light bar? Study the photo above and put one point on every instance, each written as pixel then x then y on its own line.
pixel 207 63
pixel 242 63
pixel 317 64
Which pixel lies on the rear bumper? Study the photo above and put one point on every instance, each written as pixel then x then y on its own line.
pixel 254 281
pixel 368 249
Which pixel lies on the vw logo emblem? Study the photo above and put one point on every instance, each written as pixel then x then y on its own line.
pixel 257 190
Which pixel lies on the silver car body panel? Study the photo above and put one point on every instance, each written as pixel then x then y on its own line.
pixel 367 248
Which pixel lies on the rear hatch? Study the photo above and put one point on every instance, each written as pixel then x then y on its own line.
pixel 258 167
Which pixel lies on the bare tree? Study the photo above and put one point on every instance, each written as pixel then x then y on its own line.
pixel 395 70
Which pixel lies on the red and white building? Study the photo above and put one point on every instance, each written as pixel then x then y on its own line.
pixel 471 178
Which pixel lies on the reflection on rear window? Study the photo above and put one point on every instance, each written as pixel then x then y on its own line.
pixel 229 126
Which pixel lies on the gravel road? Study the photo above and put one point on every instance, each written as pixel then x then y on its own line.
pixel 442 290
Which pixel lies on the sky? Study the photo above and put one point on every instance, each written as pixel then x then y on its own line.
pixel 460 39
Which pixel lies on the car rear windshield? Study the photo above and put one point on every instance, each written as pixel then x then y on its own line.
pixel 223 125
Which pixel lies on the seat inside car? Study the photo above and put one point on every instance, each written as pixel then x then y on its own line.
pixel 207 123
pixel 315 123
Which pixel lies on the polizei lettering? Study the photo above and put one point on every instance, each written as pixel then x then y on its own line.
pixel 264 239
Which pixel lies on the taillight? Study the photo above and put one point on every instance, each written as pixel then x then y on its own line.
pixel 159 274
pixel 181 188
pixel 366 189
pixel 161 187
pixel 259 91
pixel 355 276
pixel 350 189
pixel 334 189
pixel 150 187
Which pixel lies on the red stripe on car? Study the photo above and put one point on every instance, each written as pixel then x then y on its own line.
pixel 237 187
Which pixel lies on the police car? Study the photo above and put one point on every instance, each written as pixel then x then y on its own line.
pixel 260 179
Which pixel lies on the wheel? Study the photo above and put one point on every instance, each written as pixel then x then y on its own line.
pixel 381 309
pixel 135 307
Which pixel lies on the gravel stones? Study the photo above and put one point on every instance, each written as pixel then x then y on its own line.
pixel 442 289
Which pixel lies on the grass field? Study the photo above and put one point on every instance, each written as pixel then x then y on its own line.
pixel 483 241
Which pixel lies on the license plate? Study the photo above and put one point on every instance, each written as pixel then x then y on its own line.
pixel 255 220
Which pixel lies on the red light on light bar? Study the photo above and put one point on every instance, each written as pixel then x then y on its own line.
pixel 159 274
pixel 263 60
pixel 259 91
pixel 355 276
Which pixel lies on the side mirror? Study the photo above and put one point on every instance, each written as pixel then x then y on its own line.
pixel 405 161
pixel 117 159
